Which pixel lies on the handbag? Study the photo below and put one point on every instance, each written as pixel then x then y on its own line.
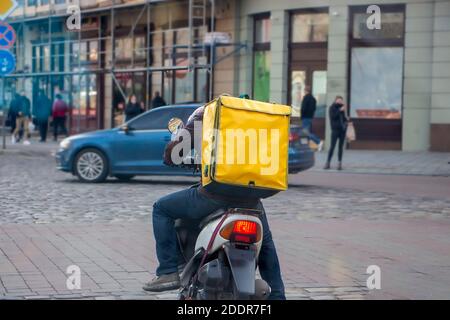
pixel 350 133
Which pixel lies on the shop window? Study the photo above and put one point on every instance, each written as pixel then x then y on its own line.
pixel 309 27
pixel 298 82
pixel 124 48
pixel 127 47
pixel 376 83
pixel 376 57
pixel 392 26
pixel 319 91
pixel 93 51
pixel 261 58
pixel 262 30
pixel 261 76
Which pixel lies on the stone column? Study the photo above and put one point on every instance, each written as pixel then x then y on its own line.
pixel 279 56
pixel 440 87
pixel 337 60
pixel 417 76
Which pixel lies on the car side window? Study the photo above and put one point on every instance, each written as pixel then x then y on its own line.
pixel 158 119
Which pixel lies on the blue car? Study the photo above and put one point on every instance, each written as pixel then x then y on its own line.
pixel 136 148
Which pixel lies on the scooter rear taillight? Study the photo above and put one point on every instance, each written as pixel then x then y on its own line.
pixel 245 231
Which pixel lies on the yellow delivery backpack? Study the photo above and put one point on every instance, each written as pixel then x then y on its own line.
pixel 245 147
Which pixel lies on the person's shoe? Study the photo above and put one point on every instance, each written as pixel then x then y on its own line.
pixel 320 146
pixel 339 165
pixel 13 140
pixel 327 166
pixel 26 142
pixel 164 282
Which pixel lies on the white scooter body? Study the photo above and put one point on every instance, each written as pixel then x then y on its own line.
pixel 207 232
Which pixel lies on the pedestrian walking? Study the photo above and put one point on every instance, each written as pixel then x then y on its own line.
pixel 14 108
pixel 338 122
pixel 308 110
pixel 59 112
pixel 133 108
pixel 42 110
pixel 158 101
pixel 22 119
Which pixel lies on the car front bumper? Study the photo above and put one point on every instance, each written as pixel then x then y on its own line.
pixel 62 158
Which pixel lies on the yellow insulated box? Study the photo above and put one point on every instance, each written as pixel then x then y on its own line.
pixel 245 147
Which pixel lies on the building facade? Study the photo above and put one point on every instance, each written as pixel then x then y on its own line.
pixel 395 76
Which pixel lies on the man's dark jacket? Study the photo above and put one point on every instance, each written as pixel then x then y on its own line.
pixel 42 108
pixel 25 106
pixel 132 110
pixel 308 106
pixel 158 102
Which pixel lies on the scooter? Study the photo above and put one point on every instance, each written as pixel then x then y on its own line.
pixel 221 251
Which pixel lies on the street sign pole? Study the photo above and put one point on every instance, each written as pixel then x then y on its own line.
pixel 4 115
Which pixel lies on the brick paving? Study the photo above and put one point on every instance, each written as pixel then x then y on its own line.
pixel 326 236
pixel 319 260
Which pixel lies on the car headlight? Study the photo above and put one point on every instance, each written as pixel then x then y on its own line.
pixel 65 144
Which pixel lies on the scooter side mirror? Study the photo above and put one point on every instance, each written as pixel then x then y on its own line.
pixel 125 129
pixel 174 124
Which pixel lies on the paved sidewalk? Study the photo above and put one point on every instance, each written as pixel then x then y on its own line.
pixel 319 260
pixel 326 235
pixel 390 162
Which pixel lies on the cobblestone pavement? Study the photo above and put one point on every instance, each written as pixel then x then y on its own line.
pixel 355 161
pixel 326 237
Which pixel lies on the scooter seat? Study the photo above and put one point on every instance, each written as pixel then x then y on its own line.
pixel 216 214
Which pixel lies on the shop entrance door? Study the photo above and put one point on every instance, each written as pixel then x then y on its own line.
pixel 313 74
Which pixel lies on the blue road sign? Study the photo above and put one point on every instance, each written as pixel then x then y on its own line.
pixel 7 62
pixel 7 35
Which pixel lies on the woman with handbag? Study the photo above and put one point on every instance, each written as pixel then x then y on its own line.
pixel 339 123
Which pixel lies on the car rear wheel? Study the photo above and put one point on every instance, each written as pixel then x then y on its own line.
pixel 124 177
pixel 91 166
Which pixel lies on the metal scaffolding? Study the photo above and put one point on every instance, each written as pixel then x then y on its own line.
pixel 195 52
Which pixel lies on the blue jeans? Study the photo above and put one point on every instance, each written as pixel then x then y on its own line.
pixel 307 125
pixel 191 204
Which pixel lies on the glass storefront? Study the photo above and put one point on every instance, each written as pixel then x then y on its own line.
pixel 375 91
pixel 376 83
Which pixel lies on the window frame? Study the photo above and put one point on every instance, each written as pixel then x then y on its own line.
pixel 373 43
pixel 310 44
pixel 261 46
pixel 387 42
pixel 301 45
